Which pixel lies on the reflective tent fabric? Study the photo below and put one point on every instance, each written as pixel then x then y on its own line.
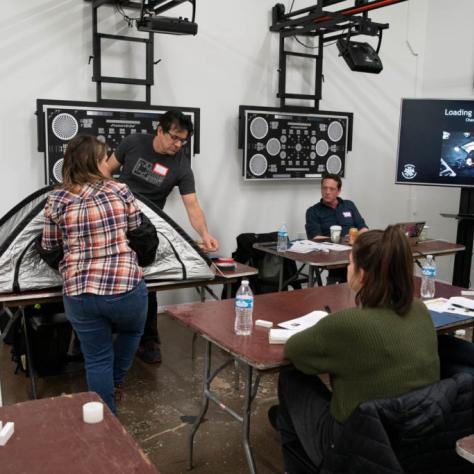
pixel 21 268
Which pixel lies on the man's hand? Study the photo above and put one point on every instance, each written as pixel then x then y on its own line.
pixel 209 243
pixel 198 221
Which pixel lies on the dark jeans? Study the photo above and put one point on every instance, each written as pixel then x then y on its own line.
pixel 455 355
pixel 93 316
pixel 150 332
pixel 307 428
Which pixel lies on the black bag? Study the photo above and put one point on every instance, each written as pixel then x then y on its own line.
pixel 52 257
pixel 268 265
pixel 144 241
pixel 49 334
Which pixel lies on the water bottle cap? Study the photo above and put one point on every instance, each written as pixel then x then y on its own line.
pixel 245 282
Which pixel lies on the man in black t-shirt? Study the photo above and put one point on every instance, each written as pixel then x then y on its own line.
pixel 152 165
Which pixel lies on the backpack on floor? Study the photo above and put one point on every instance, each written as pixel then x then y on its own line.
pixel 49 334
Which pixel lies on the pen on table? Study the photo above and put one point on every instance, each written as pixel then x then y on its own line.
pixel 327 309
pixel 461 307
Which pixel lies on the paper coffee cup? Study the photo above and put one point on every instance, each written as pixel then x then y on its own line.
pixel 335 231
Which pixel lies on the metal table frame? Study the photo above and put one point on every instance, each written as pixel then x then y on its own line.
pixel 257 355
pixel 319 261
pixel 20 300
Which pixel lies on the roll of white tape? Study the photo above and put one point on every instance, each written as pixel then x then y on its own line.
pixel 93 412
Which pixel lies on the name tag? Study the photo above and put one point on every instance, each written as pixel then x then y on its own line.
pixel 160 169
pixel 347 214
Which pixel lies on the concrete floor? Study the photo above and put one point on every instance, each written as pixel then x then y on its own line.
pixel 159 400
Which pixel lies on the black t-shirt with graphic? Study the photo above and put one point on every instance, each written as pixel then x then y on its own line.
pixel 152 174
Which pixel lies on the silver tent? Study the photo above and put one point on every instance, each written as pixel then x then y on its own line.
pixel 21 268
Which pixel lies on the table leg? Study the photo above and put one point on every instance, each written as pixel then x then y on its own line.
pixel 280 275
pixel 318 276
pixel 229 290
pixel 251 389
pixel 202 296
pixel 310 276
pixel 250 393
pixel 205 402
pixel 29 358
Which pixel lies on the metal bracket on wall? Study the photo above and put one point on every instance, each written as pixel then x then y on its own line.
pixel 97 38
pixel 328 26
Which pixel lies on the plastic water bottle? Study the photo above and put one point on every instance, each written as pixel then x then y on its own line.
pixel 282 244
pixel 243 310
pixel 428 276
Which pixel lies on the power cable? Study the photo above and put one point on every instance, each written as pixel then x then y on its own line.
pixel 119 9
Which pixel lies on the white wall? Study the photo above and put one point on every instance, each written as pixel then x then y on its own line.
pixel 427 52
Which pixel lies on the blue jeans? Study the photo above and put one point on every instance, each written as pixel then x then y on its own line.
pixel 93 317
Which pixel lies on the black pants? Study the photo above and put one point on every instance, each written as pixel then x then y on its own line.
pixel 336 275
pixel 307 428
pixel 150 333
pixel 455 356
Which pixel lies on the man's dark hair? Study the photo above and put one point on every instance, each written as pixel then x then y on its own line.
pixel 175 118
pixel 334 177
pixel 386 258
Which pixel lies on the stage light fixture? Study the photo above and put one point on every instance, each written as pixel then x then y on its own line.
pixel 152 21
pixel 360 56
pixel 167 25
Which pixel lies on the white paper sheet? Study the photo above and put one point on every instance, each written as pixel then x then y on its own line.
pixel 280 336
pixel 459 305
pixel 307 246
pixel 304 322
pixel 336 247
pixel 463 306
pixel 294 326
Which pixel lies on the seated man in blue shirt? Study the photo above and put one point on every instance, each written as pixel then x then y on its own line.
pixel 332 210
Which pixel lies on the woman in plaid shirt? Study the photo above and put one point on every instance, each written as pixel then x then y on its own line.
pixel 89 216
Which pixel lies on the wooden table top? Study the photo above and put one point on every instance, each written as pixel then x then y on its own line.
pixel 465 448
pixel 48 295
pixel 214 320
pixel 335 259
pixel 51 437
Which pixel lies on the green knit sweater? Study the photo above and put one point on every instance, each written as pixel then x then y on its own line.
pixel 370 353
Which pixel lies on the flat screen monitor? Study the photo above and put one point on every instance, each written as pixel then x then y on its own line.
pixel 436 143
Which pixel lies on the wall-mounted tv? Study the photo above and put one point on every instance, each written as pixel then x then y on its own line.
pixel 436 144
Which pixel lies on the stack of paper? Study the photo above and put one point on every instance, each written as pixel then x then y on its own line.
pixel 293 326
pixel 306 246
pixel 335 247
pixel 455 304
pixel 279 336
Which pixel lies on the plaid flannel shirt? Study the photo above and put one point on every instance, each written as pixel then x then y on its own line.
pixel 92 228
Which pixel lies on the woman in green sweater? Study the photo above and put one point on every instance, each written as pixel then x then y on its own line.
pixel 384 348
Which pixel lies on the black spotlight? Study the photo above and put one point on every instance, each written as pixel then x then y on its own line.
pixel 359 57
pixel 168 25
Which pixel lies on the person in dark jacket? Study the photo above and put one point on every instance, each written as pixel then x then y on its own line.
pixel 385 347
pixel 333 210
pixel 90 217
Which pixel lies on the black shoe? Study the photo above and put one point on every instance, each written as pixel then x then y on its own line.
pixel 149 352
pixel 273 416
